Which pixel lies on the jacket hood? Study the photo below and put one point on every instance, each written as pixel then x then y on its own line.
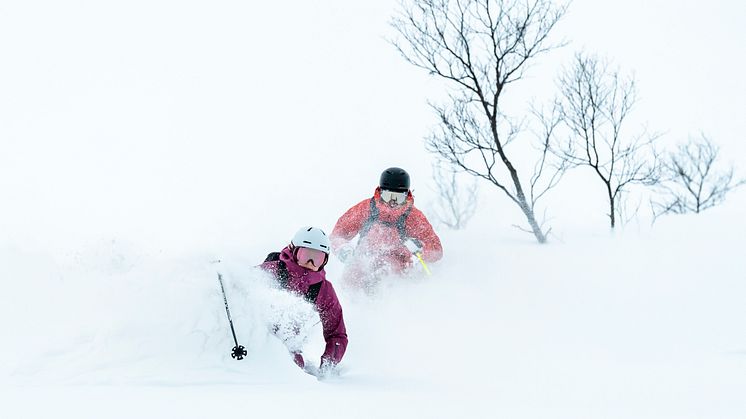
pixel 298 272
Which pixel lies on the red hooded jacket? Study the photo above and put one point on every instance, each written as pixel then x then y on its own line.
pixel 383 235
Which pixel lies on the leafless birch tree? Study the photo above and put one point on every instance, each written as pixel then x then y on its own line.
pixel 456 203
pixel 481 47
pixel 692 179
pixel 596 102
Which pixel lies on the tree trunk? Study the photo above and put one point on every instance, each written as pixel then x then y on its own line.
pixel 520 196
pixel 540 236
pixel 529 213
pixel 612 215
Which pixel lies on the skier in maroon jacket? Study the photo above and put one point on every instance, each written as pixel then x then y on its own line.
pixel 299 268
pixel 390 229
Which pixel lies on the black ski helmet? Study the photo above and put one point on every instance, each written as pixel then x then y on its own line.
pixel 394 179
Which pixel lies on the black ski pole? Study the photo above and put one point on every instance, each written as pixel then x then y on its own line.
pixel 238 351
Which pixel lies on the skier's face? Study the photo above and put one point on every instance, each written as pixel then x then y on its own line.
pixel 308 265
pixel 311 259
pixel 393 198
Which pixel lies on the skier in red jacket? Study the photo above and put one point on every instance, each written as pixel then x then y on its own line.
pixel 390 229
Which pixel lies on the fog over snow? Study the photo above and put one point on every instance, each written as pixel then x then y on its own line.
pixel 143 142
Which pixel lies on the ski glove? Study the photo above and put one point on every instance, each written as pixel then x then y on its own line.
pixel 344 253
pixel 413 247
pixel 327 369
pixel 298 359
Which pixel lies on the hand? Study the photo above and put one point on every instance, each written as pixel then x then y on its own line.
pixel 298 359
pixel 327 369
pixel 344 253
pixel 413 246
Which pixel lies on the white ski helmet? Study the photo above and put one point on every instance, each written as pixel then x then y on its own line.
pixel 313 238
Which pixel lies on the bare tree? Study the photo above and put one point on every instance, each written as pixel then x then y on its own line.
pixel 692 180
pixel 480 47
pixel 455 204
pixel 596 102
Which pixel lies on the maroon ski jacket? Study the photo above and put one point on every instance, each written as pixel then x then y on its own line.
pixel 299 280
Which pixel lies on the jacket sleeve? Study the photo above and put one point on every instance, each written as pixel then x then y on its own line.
pixel 332 323
pixel 349 224
pixel 270 267
pixel 420 229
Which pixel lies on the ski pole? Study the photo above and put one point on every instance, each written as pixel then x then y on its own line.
pixel 424 266
pixel 238 351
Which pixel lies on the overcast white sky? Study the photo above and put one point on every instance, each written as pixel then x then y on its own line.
pixel 195 119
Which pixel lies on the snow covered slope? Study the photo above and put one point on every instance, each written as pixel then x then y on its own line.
pixel 640 325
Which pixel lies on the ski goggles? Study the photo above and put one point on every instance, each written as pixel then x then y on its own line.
pixel 395 197
pixel 305 255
